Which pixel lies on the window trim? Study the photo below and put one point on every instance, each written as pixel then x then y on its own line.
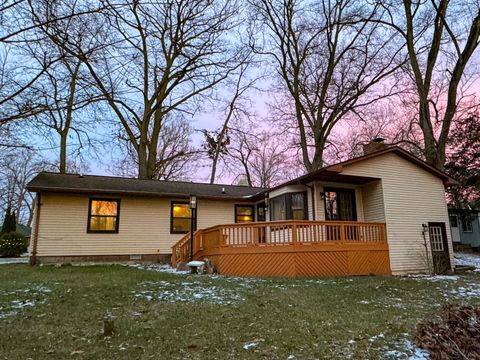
pixel 246 205
pixel 288 204
pixel 193 217
pixel 117 222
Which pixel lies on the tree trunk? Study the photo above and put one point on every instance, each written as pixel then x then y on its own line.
pixel 63 153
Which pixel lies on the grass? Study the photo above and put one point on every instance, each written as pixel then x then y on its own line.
pixel 57 313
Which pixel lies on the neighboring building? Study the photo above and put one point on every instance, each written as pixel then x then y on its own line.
pixel 24 230
pixel 465 226
pixel 382 213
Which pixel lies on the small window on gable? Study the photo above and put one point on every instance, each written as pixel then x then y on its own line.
pixel 181 217
pixel 243 213
pixel 103 216
pixel 467 223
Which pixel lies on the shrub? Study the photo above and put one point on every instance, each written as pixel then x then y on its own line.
pixel 455 336
pixel 12 244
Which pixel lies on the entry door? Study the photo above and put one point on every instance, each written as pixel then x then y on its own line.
pixel 340 204
pixel 439 244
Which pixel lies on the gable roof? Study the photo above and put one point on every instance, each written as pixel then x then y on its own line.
pixel 334 172
pixel 447 179
pixel 92 184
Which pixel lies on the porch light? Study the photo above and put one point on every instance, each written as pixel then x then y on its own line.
pixel 193 201
pixel 322 195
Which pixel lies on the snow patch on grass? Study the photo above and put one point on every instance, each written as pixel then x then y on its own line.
pixel 406 350
pixel 473 291
pixel 187 292
pixel 434 277
pixel 23 299
pixel 462 258
pixel 162 268
pixel 250 345
pixel 19 260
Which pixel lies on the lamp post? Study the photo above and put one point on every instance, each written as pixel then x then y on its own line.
pixel 193 207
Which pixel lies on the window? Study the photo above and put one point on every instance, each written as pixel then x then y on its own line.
pixel 181 218
pixel 467 223
pixel 289 206
pixel 243 213
pixel 103 216
pixel 340 204
pixel 436 238
pixel 453 221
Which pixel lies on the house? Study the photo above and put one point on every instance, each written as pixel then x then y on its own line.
pixel 24 230
pixel 381 213
pixel 465 226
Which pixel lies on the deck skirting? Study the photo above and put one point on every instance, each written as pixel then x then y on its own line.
pixel 316 260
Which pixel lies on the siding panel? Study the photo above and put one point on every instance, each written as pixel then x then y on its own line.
pixel 144 226
pixel 411 197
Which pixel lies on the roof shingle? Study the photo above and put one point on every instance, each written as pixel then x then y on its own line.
pixel 55 182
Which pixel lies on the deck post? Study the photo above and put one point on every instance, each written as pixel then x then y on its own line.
pixel 294 233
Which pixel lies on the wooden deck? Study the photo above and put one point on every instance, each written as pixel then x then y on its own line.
pixel 290 248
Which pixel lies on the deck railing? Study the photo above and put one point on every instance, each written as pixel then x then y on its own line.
pixel 278 233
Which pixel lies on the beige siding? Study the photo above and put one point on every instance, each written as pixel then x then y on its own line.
pixel 412 197
pixel 144 226
pixel 373 208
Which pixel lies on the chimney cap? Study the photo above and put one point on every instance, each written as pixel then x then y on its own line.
pixel 378 140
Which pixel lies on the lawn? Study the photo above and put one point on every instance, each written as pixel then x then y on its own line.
pixel 58 312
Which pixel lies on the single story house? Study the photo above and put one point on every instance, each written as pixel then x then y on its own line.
pixel 465 226
pixel 381 213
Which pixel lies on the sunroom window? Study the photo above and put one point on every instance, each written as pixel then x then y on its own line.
pixel 289 206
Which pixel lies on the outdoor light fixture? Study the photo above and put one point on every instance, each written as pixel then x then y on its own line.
pixel 322 195
pixel 425 228
pixel 193 201
pixel 193 206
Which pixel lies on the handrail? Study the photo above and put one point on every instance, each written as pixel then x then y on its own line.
pixel 276 233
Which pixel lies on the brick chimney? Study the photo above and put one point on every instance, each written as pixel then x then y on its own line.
pixel 375 145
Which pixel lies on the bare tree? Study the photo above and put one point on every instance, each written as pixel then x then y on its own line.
pixel 216 142
pixel 175 153
pixel 160 56
pixel 262 157
pixel 17 72
pixel 17 168
pixel 329 58
pixel 441 38
pixel 386 119
pixel 63 94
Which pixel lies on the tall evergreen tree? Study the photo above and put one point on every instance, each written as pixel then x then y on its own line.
pixel 9 222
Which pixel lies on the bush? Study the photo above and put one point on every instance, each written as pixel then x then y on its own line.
pixel 12 244
pixel 455 336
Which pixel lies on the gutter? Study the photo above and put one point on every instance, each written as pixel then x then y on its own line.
pixel 33 257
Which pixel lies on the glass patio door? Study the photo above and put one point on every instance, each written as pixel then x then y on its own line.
pixel 340 204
